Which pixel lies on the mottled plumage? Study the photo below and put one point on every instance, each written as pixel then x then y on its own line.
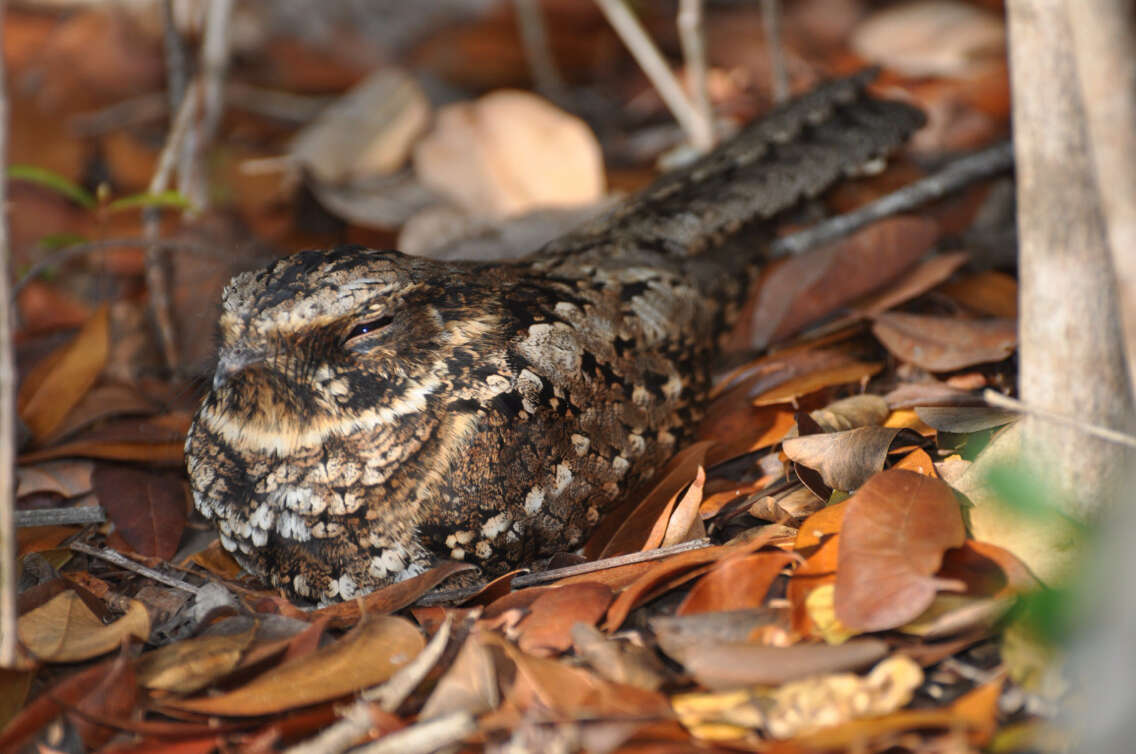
pixel 373 412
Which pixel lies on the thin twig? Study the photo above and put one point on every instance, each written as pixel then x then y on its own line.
pixel 125 563
pixel 174 48
pixel 996 399
pixel 156 282
pixel 76 515
pixel 532 579
pixel 538 52
pixel 958 174
pixel 214 63
pixel 9 651
pixel 771 24
pixel 691 36
pixel 662 78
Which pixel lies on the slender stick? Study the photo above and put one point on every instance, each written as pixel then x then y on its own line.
pixel 67 253
pixel 651 61
pixel 963 172
pixel 538 53
pixel 771 23
pixel 531 579
pixel 156 282
pixel 80 515
pixel 998 400
pixel 9 652
pixel 120 560
pixel 692 37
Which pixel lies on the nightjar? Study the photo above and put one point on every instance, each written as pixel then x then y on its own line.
pixel 372 412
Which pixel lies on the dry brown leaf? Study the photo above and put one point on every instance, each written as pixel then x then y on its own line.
pixel 148 510
pixel 369 130
pixel 65 629
pixel 789 507
pixel 846 459
pixel 103 401
pixel 964 419
pixel 67 479
pixel 803 289
pixel 684 523
pixel 552 690
pixel 895 531
pixel 739 427
pixel 469 685
pixel 721 666
pixel 988 292
pixel 735 583
pixel 58 383
pixel 854 411
pixel 636 527
pixel 547 629
pixel 368 655
pixel 510 152
pixel 618 661
pixel 923 278
pixel 943 344
pixel 192 664
pixel 663 572
pixel 947 38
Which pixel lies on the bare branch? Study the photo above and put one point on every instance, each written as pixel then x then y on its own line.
pixel 956 175
pixel 156 282
pixel 79 515
pixel 125 563
pixel 771 23
pixel 538 53
pixel 692 37
pixel 9 651
pixel 996 399
pixel 651 61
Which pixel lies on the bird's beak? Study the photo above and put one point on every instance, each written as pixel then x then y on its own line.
pixel 230 362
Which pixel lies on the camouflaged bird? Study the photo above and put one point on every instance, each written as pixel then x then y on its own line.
pixel 372 412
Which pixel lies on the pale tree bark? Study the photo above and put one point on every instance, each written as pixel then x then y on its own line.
pixel 1072 347
pixel 1092 43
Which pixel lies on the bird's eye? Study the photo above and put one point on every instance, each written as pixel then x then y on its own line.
pixel 370 326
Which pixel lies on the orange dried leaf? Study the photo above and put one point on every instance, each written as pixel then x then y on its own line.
pixel 735 583
pixel 853 371
pixel 896 529
pixel 55 386
pixel 821 524
pixel 547 629
pixel 989 292
pixel 918 461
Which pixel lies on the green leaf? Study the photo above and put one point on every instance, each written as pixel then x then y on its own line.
pixel 54 181
pixel 163 199
pixel 53 241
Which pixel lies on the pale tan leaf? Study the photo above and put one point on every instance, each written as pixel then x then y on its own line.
pixel 65 630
